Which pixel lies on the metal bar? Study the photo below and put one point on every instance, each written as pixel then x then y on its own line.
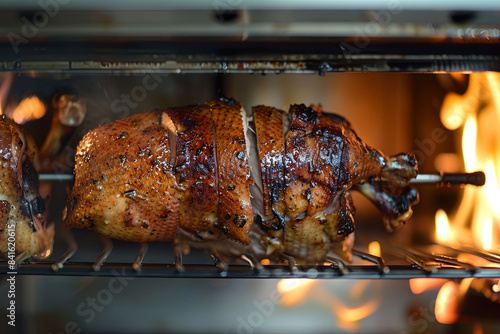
pixel 55 177
pixel 383 268
pixel 221 264
pixel 340 264
pixel 291 261
pixel 414 259
pixel 450 260
pixel 72 249
pixel 243 271
pixel 481 253
pixel 254 263
pixel 440 180
pixel 178 258
pixel 108 248
pixel 21 258
pixel 448 179
pixel 444 259
pixel 140 256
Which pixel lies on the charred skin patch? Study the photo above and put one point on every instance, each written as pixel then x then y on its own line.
pixel 195 167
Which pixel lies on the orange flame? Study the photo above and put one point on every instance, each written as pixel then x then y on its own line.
pixel 30 108
pixel 479 107
pixel 442 226
pixel 446 302
pixel 421 285
pixel 374 248
pixel 295 291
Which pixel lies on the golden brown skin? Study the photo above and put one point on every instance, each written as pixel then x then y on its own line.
pixel 195 169
pixel 21 207
pixel 323 158
pixel 310 239
pixel 235 209
pixel 125 187
pixel 269 131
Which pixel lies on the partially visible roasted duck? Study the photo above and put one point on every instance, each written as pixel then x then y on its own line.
pixel 23 202
pixel 267 183
pixel 21 206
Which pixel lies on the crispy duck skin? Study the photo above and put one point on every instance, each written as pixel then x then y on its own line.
pixel 269 131
pixel 140 178
pixel 195 168
pixel 324 157
pixel 235 208
pixel 21 206
pixel 125 186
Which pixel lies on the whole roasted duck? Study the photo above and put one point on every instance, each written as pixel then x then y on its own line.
pixel 22 221
pixel 270 184
pixel 23 204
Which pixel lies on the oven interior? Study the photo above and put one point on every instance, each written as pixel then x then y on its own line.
pixel 408 80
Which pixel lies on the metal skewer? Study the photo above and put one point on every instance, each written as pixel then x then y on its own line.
pixel 55 177
pixel 439 179
pixel 450 179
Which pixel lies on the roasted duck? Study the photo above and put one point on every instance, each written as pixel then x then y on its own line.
pixel 22 220
pixel 268 183
pixel 23 200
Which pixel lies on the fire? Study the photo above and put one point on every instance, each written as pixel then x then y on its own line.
pixel 421 285
pixel 30 108
pixel 298 290
pixel 287 285
pixel 469 143
pixel 374 248
pixel 487 231
pixel 478 108
pixel 364 294
pixel 294 290
pixel 491 189
pixel 445 308
pixel 442 226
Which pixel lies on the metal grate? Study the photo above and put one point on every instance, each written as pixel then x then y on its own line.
pixel 414 262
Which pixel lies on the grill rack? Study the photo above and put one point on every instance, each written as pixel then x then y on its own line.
pixel 421 263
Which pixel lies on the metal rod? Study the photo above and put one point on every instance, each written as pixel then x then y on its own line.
pixel 481 253
pixel 414 259
pixel 108 248
pixel 383 269
pixel 449 179
pixel 55 177
pixel 21 258
pixel 72 249
pixel 450 260
pixel 439 179
pixel 256 265
pixel 178 258
pixel 140 256
pixel 291 261
pixel 441 258
pixel 339 263
pixel 109 269
pixel 220 263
